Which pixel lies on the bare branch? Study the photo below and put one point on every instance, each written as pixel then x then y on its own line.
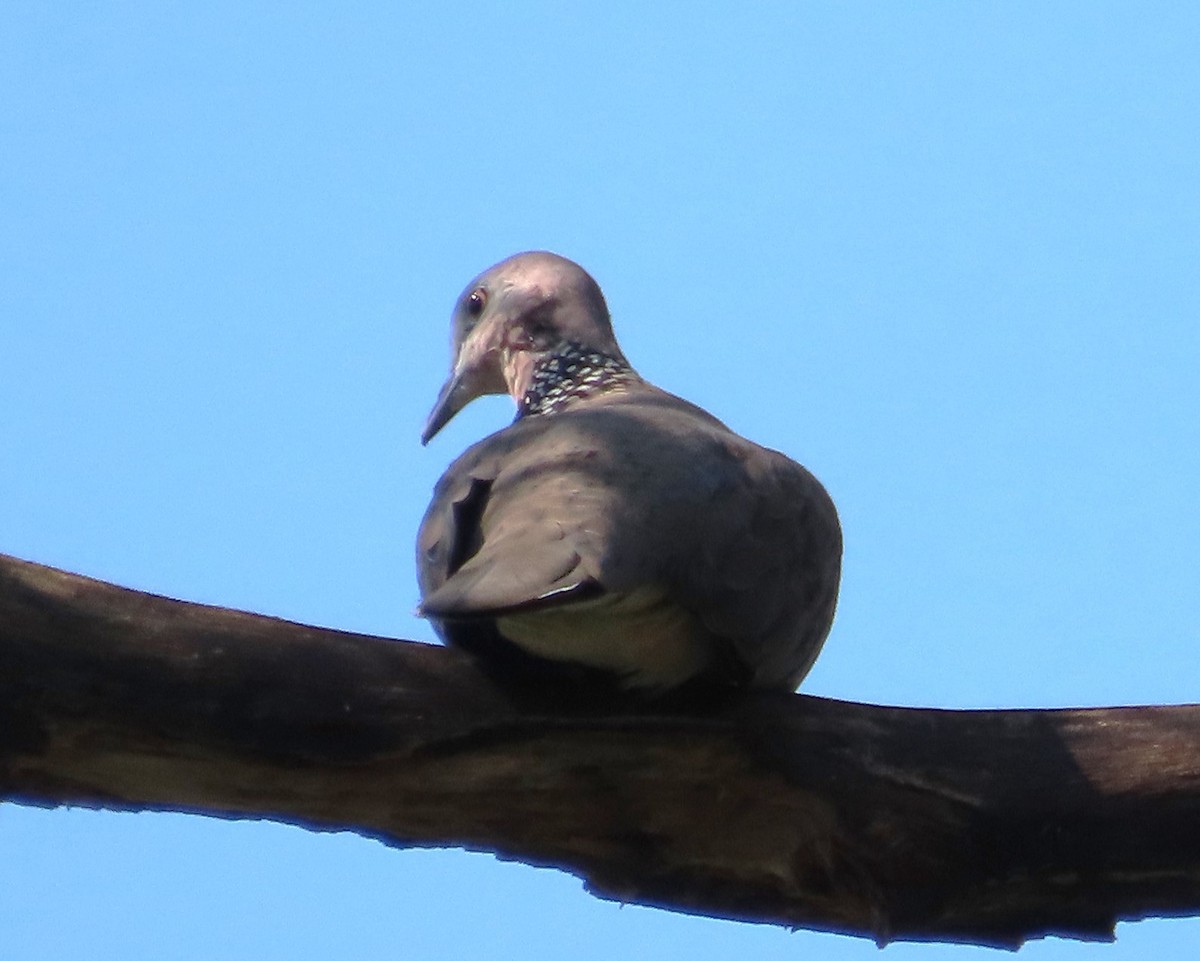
pixel 979 826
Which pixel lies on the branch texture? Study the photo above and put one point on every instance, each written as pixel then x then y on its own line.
pixel 988 827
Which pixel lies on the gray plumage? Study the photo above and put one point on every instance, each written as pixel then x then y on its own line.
pixel 614 529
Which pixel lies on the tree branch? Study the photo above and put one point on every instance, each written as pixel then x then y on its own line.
pixel 988 827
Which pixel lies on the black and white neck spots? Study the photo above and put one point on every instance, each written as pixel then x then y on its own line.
pixel 569 373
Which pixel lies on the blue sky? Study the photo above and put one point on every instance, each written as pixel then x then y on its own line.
pixel 942 253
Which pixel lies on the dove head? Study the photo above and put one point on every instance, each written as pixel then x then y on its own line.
pixel 511 318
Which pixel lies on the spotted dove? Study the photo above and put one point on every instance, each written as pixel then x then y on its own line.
pixel 614 531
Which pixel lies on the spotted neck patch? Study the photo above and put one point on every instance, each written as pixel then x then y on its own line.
pixel 569 373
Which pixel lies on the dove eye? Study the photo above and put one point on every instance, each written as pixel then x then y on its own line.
pixel 476 301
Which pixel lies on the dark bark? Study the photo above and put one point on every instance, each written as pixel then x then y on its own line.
pixel 979 826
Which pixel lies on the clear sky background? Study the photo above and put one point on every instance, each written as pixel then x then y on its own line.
pixel 945 254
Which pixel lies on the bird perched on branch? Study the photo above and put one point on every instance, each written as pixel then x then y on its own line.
pixel 614 532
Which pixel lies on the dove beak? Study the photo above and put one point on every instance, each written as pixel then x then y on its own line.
pixel 455 394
